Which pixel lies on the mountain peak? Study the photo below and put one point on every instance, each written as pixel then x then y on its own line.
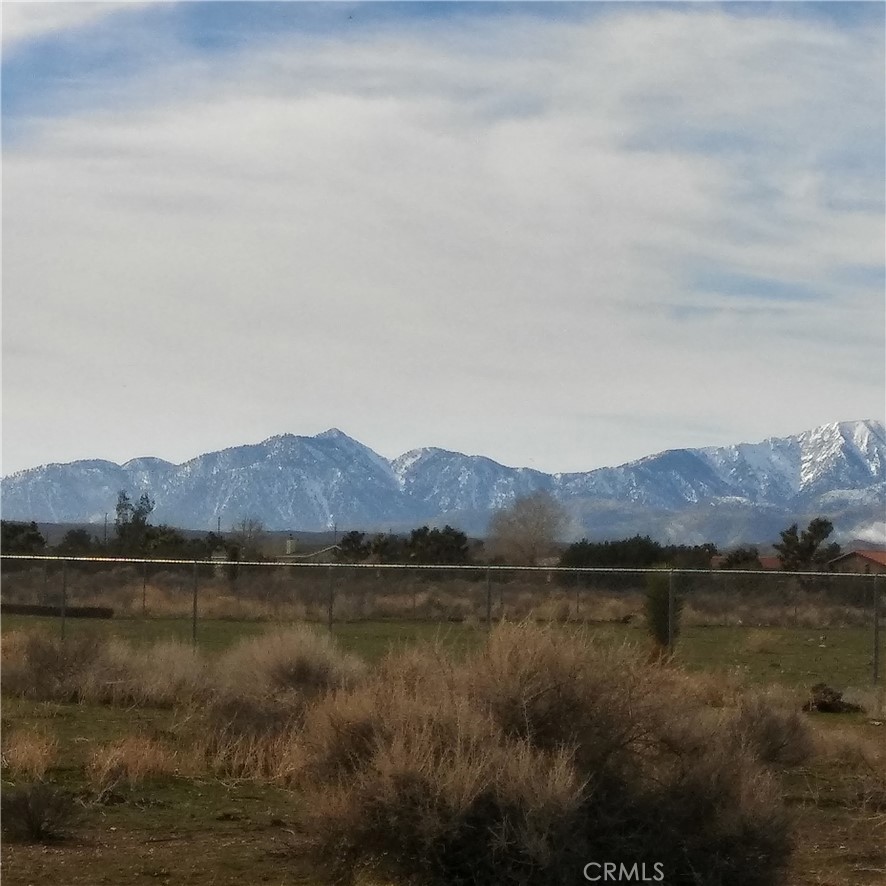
pixel 334 434
pixel 303 482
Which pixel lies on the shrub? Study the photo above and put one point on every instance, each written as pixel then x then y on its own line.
pixel 827 700
pixel 538 753
pixel 552 689
pixel 85 668
pixel 262 688
pixel 44 668
pixel 270 678
pixel 35 813
pixel 423 786
pixel 160 675
pixel 777 736
pixel 30 753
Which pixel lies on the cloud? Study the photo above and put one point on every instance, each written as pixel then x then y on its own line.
pixel 497 240
pixel 25 21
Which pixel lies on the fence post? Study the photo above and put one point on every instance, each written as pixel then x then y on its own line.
pixel 330 603
pixel 64 596
pixel 671 613
pixel 194 608
pixel 488 600
pixel 577 594
pixel 144 588
pixel 876 656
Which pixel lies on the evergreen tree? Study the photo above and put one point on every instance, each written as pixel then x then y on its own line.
pixel 801 551
pixel 444 547
pixel 742 558
pixel 21 538
pixel 353 548
pixel 388 548
pixel 131 523
pixel 77 543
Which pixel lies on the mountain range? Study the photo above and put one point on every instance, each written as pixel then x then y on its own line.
pixel 727 494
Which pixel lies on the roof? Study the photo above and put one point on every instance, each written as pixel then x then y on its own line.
pixel 873 556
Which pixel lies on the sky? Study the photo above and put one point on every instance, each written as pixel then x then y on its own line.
pixel 560 235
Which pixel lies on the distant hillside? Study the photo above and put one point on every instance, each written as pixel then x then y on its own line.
pixel 729 494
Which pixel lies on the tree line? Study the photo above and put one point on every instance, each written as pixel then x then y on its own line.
pixel 526 533
pixel 133 536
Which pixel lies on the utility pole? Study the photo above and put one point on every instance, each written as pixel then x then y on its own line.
pixel 106 528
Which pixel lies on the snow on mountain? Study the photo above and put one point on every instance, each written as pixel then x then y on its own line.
pixel 733 493
pixel 442 482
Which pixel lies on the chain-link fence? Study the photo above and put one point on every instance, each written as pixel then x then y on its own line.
pixel 801 627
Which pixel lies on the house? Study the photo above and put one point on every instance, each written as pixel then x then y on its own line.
pixel 864 561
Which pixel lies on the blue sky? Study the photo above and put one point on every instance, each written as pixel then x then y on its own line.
pixel 561 235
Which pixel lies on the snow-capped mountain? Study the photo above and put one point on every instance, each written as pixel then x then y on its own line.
pixel 726 494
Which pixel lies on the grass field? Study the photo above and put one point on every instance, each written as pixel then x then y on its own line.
pixel 202 830
pixel 796 656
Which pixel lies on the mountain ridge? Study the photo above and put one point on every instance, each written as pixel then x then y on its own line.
pixel 311 483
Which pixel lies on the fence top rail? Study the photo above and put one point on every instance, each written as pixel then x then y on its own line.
pixel 569 570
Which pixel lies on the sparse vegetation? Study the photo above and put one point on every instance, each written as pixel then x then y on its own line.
pixel 663 615
pixel 538 751
pixel 29 753
pixel 260 691
pixel 494 762
pixel 37 812
pixel 777 735
pixel 129 760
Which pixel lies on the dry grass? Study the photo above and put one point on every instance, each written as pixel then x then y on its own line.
pixel 286 594
pixel 130 760
pixel 260 690
pixel 778 736
pixel 847 747
pixel 163 674
pixel 295 660
pixel 856 776
pixel 708 688
pixel 808 611
pixel 42 668
pixel 30 754
pixel 538 752
pixel 871 699
pixel 264 756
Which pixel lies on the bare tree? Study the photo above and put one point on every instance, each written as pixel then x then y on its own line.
pixel 527 530
pixel 249 535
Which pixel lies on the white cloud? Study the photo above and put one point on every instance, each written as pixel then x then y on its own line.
pixel 482 241
pixel 23 20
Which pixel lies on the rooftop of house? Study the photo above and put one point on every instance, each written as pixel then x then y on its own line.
pixel 872 555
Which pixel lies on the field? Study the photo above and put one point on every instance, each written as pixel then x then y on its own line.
pixel 839 656
pixel 196 825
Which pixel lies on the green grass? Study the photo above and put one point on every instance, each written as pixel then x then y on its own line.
pixel 796 656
